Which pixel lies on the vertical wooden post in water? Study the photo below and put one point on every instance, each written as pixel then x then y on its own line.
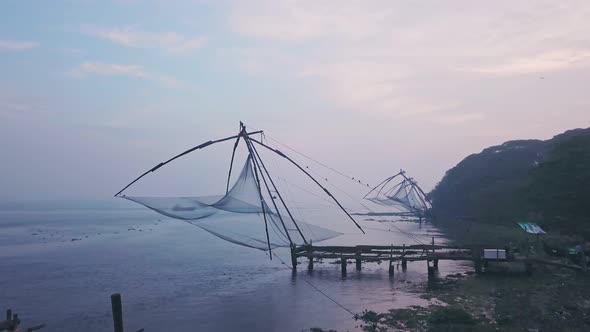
pixel 10 323
pixel 434 260
pixel 117 312
pixel 404 260
pixel 310 257
pixel 358 260
pixel 391 268
pixel 294 258
pixel 476 254
pixel 430 268
pixel 433 245
pixel 343 266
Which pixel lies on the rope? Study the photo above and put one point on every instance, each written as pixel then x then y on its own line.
pixel 319 290
pixel 310 284
pixel 411 237
pixel 355 180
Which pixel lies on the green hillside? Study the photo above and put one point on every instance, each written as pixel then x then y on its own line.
pixel 543 181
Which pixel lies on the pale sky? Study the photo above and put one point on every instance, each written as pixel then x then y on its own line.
pixel 92 93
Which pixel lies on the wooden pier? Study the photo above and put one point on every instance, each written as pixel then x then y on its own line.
pixel 430 253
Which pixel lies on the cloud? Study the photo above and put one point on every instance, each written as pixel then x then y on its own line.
pixel 411 60
pixel 17 45
pixel 545 62
pixel 93 68
pixel 133 37
pixel 304 20
pixel 100 68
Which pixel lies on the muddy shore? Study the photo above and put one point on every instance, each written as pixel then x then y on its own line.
pixel 503 298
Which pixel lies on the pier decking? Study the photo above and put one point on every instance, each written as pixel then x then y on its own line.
pixel 430 253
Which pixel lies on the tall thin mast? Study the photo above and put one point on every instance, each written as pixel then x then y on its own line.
pixel 231 163
pixel 278 194
pixel 206 144
pixel 253 165
pixel 270 193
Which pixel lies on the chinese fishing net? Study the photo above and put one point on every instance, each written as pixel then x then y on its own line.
pixel 404 195
pixel 238 216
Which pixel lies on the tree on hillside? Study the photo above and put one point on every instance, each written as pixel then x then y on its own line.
pixel 559 188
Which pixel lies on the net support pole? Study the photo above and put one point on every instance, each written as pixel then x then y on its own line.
pixel 312 178
pixel 279 194
pixel 416 186
pixel 117 312
pixel 270 194
pixel 231 163
pixel 253 165
pixel 201 146
pixel 384 182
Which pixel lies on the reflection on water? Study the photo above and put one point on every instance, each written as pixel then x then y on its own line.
pixel 60 267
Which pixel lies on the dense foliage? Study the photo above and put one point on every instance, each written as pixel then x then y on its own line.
pixel 542 181
pixel 559 188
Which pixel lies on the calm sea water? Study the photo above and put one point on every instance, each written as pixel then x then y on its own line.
pixel 60 267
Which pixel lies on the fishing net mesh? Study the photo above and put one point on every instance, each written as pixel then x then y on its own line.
pixel 239 215
pixel 402 195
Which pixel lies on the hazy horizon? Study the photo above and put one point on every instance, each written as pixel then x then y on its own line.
pixel 93 93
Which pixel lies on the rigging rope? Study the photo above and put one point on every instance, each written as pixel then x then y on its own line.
pixel 355 180
pixel 410 236
pixel 319 290
pixel 308 282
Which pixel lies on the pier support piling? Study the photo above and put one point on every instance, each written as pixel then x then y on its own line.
pixel 477 266
pixel 294 258
pixel 358 261
pixel 430 269
pixel 476 256
pixel 391 254
pixel 310 262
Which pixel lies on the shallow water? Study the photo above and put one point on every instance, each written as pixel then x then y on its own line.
pixel 60 267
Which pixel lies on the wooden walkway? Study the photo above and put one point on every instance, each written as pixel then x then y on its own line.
pixel 430 253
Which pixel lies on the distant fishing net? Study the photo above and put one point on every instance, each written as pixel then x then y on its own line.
pixel 400 192
pixel 238 216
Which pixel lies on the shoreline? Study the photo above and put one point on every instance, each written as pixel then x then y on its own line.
pixel 502 298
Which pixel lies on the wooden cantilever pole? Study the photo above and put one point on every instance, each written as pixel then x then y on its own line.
pixel 253 165
pixel 257 164
pixel 206 144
